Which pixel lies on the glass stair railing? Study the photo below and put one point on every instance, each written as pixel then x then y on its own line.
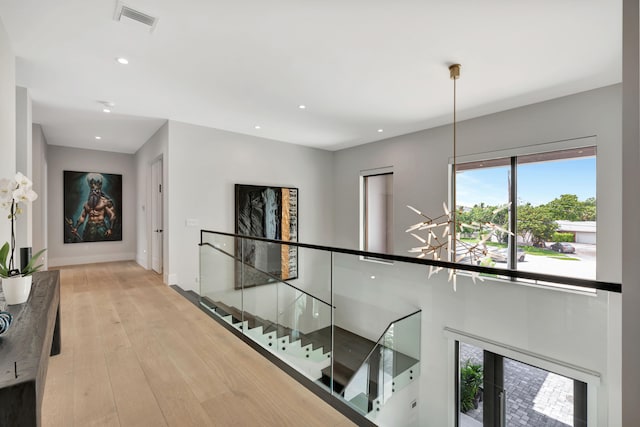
pixel 392 363
pixel 297 323
pixel 322 310
pixel 273 313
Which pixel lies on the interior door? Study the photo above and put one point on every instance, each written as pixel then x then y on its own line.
pixel 157 231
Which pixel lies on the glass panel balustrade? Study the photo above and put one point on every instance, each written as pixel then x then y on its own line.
pixel 217 266
pixel 342 318
pixel 392 364
pixel 243 281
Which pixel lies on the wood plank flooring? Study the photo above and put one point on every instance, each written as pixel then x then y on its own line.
pixel 136 353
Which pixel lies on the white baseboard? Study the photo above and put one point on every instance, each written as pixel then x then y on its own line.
pixel 91 259
pixel 170 279
pixel 142 262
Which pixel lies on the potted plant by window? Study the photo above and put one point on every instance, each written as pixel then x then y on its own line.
pixel 16 284
pixel 471 380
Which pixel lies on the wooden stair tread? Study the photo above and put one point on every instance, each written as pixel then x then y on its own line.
pixel 341 373
pixel 350 350
pixel 236 314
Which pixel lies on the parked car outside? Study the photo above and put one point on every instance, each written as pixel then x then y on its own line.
pixel 502 255
pixel 563 247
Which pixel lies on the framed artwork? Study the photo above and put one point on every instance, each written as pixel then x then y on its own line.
pixel 272 213
pixel 92 207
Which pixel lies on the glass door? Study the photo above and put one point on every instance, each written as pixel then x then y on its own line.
pixel 497 391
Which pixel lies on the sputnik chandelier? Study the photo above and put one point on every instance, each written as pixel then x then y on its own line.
pixel 441 242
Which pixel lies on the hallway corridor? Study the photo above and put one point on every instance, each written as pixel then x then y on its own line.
pixel 136 353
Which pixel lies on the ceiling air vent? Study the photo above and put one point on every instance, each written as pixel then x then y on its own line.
pixel 123 11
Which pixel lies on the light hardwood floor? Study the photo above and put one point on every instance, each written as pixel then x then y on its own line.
pixel 136 353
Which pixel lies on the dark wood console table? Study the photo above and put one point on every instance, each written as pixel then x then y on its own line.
pixel 33 336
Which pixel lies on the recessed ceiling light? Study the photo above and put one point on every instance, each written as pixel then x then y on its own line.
pixel 257 127
pixel 106 110
pixel 302 106
pixel 98 137
pixel 380 130
pixel 123 61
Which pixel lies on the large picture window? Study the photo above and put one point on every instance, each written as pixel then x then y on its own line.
pixel 546 200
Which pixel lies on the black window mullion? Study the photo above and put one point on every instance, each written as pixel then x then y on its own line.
pixel 457 383
pixel 579 404
pixel 513 213
pixel 493 389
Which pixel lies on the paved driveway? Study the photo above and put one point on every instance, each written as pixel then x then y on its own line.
pixel 558 266
pixel 583 264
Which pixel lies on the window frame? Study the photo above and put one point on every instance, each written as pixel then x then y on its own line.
pixel 511 157
pixel 592 379
pixel 363 230
pixel 494 385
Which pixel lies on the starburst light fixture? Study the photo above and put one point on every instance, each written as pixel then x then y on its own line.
pixel 441 242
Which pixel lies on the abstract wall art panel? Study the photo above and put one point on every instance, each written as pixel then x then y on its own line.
pixel 271 213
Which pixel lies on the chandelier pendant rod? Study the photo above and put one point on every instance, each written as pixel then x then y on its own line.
pixel 454 74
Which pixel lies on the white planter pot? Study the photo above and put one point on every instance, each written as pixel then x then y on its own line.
pixel 16 289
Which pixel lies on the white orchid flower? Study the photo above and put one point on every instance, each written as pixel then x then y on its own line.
pixel 6 196
pixel 31 195
pixel 19 194
pixel 23 181
pixel 24 195
pixel 6 189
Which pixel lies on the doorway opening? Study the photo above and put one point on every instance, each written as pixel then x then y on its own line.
pixel 157 231
pixel 496 391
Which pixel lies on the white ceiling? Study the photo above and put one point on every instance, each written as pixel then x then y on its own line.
pixel 358 65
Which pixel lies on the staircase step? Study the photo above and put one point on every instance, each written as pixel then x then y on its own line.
pixel 237 314
pixel 350 353
pixel 269 328
pixel 341 376
pixel 281 331
pixel 351 349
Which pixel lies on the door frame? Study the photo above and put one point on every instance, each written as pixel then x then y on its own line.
pixel 154 207
pixel 591 379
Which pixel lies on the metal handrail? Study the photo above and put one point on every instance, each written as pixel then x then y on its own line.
pixel 510 273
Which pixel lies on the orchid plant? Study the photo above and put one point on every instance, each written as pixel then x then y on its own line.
pixel 13 193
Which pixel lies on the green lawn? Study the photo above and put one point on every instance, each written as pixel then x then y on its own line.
pixel 529 250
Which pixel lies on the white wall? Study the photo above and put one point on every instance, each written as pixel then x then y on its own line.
pixel 63 158
pixel 630 390
pixel 39 206
pixel 156 147
pixel 204 164
pixel 7 119
pixel 24 158
pixel 420 164
pixel 572 328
